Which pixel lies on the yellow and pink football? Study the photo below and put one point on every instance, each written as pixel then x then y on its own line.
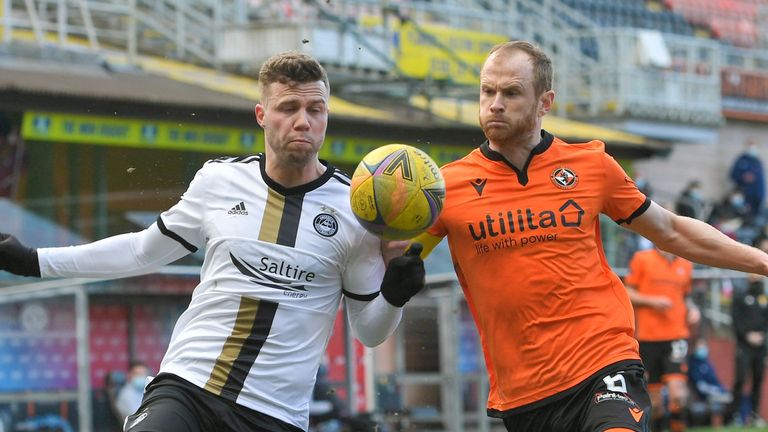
pixel 397 192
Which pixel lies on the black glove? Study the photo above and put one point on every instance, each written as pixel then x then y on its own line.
pixel 17 258
pixel 404 277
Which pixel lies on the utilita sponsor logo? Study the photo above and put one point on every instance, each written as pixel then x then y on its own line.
pixel 521 220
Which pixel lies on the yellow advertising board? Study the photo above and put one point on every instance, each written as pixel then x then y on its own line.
pixel 224 141
pixel 109 131
pixel 443 53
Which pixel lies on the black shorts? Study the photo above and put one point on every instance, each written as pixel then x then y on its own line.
pixel 664 358
pixel 171 404
pixel 614 397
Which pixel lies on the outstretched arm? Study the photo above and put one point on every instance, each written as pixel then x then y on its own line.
pixel 651 301
pixel 119 256
pixel 374 317
pixel 17 258
pixel 697 241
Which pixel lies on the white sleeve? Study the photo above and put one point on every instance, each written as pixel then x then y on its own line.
pixel 113 257
pixel 372 321
pixel 184 221
pixel 371 317
pixel 364 268
pixel 177 232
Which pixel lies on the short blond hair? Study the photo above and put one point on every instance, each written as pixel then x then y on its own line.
pixel 542 65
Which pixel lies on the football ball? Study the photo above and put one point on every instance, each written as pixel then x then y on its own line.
pixel 397 192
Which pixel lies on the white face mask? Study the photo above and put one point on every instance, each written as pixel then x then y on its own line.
pixel 753 151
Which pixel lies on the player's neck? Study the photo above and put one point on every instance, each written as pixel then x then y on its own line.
pixel 290 175
pixel 517 151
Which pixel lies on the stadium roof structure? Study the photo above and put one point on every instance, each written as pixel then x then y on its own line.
pixel 156 87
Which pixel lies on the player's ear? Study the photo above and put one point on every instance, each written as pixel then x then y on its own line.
pixel 546 100
pixel 260 112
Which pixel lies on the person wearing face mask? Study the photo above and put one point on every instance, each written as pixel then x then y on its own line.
pixel 705 383
pixel 731 214
pixel 129 396
pixel 747 174
pixel 691 202
pixel 750 324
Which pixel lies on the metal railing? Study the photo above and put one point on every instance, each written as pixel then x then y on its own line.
pixel 441 373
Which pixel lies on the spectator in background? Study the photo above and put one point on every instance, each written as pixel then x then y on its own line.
pixel 691 202
pixel 129 396
pixel 750 323
pixel 747 174
pixel 106 417
pixel 730 214
pixel 659 284
pixel 325 405
pixel 705 383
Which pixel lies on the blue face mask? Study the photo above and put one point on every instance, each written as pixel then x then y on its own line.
pixel 138 382
pixel 696 194
pixel 701 352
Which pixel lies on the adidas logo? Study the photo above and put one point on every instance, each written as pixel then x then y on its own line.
pixel 239 209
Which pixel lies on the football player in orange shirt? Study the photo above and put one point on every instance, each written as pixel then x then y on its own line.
pixel 659 286
pixel 521 217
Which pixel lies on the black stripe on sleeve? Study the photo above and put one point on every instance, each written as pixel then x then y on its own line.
pixel 360 297
pixel 636 213
pixel 168 233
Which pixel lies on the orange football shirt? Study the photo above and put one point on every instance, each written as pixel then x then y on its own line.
pixel 652 274
pixel 526 248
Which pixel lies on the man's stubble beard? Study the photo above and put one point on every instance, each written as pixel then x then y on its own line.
pixel 521 129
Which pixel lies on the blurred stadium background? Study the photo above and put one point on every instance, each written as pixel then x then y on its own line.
pixel 108 107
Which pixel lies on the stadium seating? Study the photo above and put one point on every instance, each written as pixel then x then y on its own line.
pixel 630 13
pixel 732 21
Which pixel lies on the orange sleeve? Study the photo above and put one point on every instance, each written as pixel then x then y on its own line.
pixel 622 200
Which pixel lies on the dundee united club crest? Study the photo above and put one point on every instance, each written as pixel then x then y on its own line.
pixel 564 178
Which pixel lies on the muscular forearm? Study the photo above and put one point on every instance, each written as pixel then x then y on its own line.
pixel 702 243
pixel 374 321
pixel 119 256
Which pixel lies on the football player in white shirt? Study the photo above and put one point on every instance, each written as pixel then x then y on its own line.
pixel 282 248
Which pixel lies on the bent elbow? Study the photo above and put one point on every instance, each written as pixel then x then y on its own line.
pixel 370 341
